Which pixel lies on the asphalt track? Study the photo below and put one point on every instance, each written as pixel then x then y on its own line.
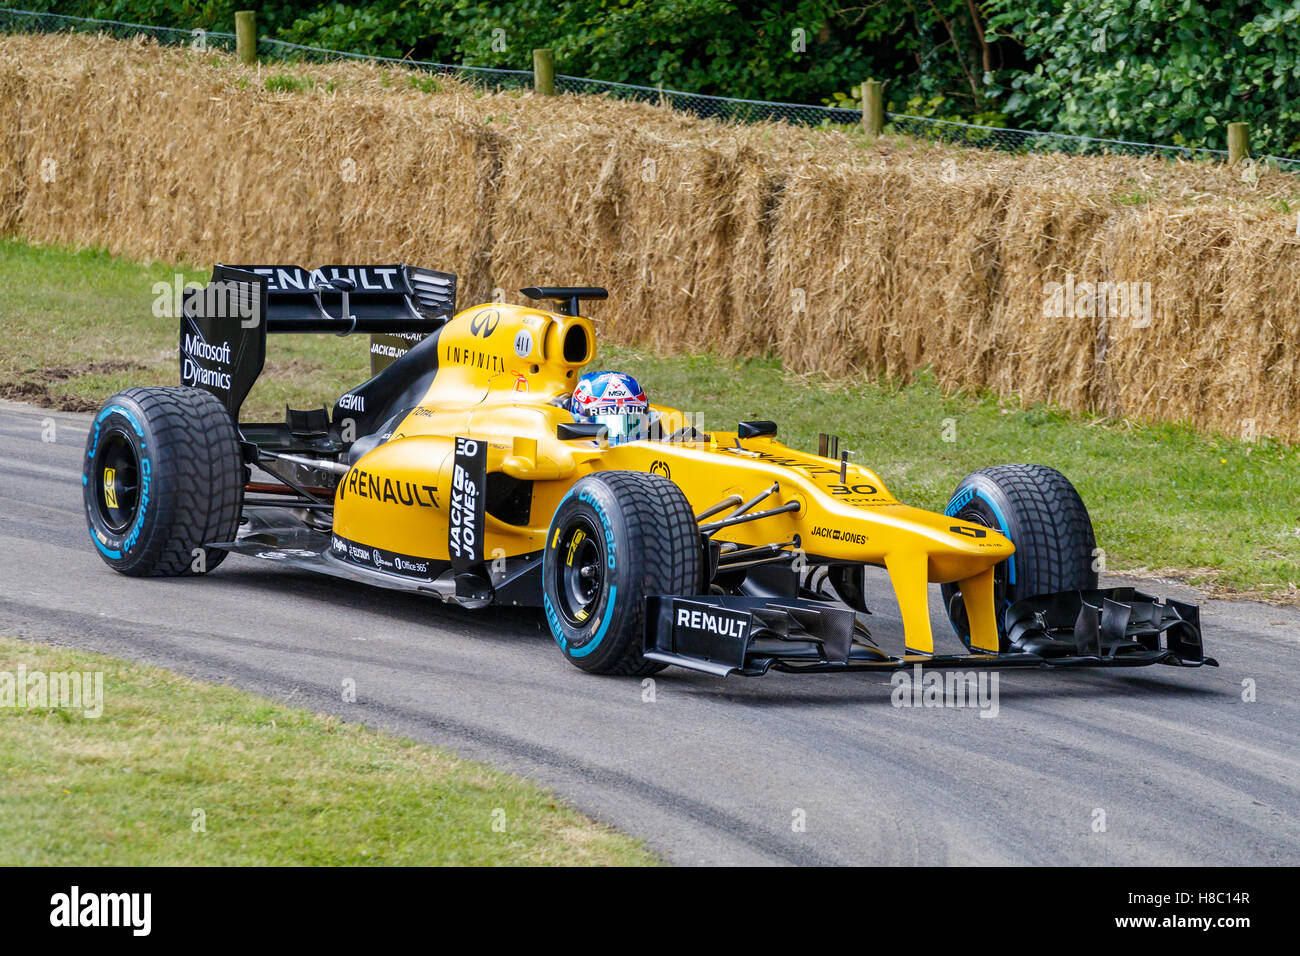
pixel 1173 762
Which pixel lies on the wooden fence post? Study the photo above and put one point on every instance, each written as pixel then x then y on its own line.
pixel 1238 143
pixel 246 37
pixel 873 108
pixel 544 71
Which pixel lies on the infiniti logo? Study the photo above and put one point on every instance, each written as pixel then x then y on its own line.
pixel 485 323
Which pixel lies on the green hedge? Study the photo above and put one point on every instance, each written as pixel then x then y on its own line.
pixel 1165 71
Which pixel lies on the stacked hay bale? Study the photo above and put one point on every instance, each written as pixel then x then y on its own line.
pixel 834 253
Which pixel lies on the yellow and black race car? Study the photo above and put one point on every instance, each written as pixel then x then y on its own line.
pixel 461 469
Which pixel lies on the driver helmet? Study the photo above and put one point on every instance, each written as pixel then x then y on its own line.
pixel 615 400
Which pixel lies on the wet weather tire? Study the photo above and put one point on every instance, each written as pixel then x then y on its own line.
pixel 617 537
pixel 1040 511
pixel 162 477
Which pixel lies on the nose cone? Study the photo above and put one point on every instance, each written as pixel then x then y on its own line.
pixel 970 538
pixel 965 549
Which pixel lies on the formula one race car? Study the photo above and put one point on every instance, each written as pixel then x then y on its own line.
pixel 460 469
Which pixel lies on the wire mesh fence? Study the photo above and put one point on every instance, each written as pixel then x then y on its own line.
pixel 919 127
pixel 281 51
pixel 27 21
pixel 722 108
pixel 1031 141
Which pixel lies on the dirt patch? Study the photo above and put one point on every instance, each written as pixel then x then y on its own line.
pixel 34 393
pixel 1205 580
pixel 34 385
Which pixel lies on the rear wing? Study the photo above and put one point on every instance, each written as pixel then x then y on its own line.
pixel 224 324
pixel 384 299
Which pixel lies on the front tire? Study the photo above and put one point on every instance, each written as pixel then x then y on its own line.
pixel 162 477
pixel 1041 512
pixel 616 537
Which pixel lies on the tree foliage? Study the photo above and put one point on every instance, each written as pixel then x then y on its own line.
pixel 1164 71
pixel 1171 71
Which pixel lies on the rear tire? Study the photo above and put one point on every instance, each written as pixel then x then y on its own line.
pixel 1041 512
pixel 617 537
pixel 162 477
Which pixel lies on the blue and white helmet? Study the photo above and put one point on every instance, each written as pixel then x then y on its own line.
pixel 615 400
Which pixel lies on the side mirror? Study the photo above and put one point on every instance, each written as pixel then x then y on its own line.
pixel 574 431
pixel 758 429
pixel 569 297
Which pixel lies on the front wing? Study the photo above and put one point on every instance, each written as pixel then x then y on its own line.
pixel 1115 627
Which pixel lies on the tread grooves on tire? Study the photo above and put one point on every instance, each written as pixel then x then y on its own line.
pixel 198 479
pixel 1056 547
pixel 663 539
pixel 662 525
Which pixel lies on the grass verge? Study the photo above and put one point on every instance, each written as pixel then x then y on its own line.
pixel 1220 513
pixel 175 771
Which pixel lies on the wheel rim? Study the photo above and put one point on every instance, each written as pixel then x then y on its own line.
pixel 582 571
pixel 116 471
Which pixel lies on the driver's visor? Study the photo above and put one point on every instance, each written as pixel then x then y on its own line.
pixel 624 427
